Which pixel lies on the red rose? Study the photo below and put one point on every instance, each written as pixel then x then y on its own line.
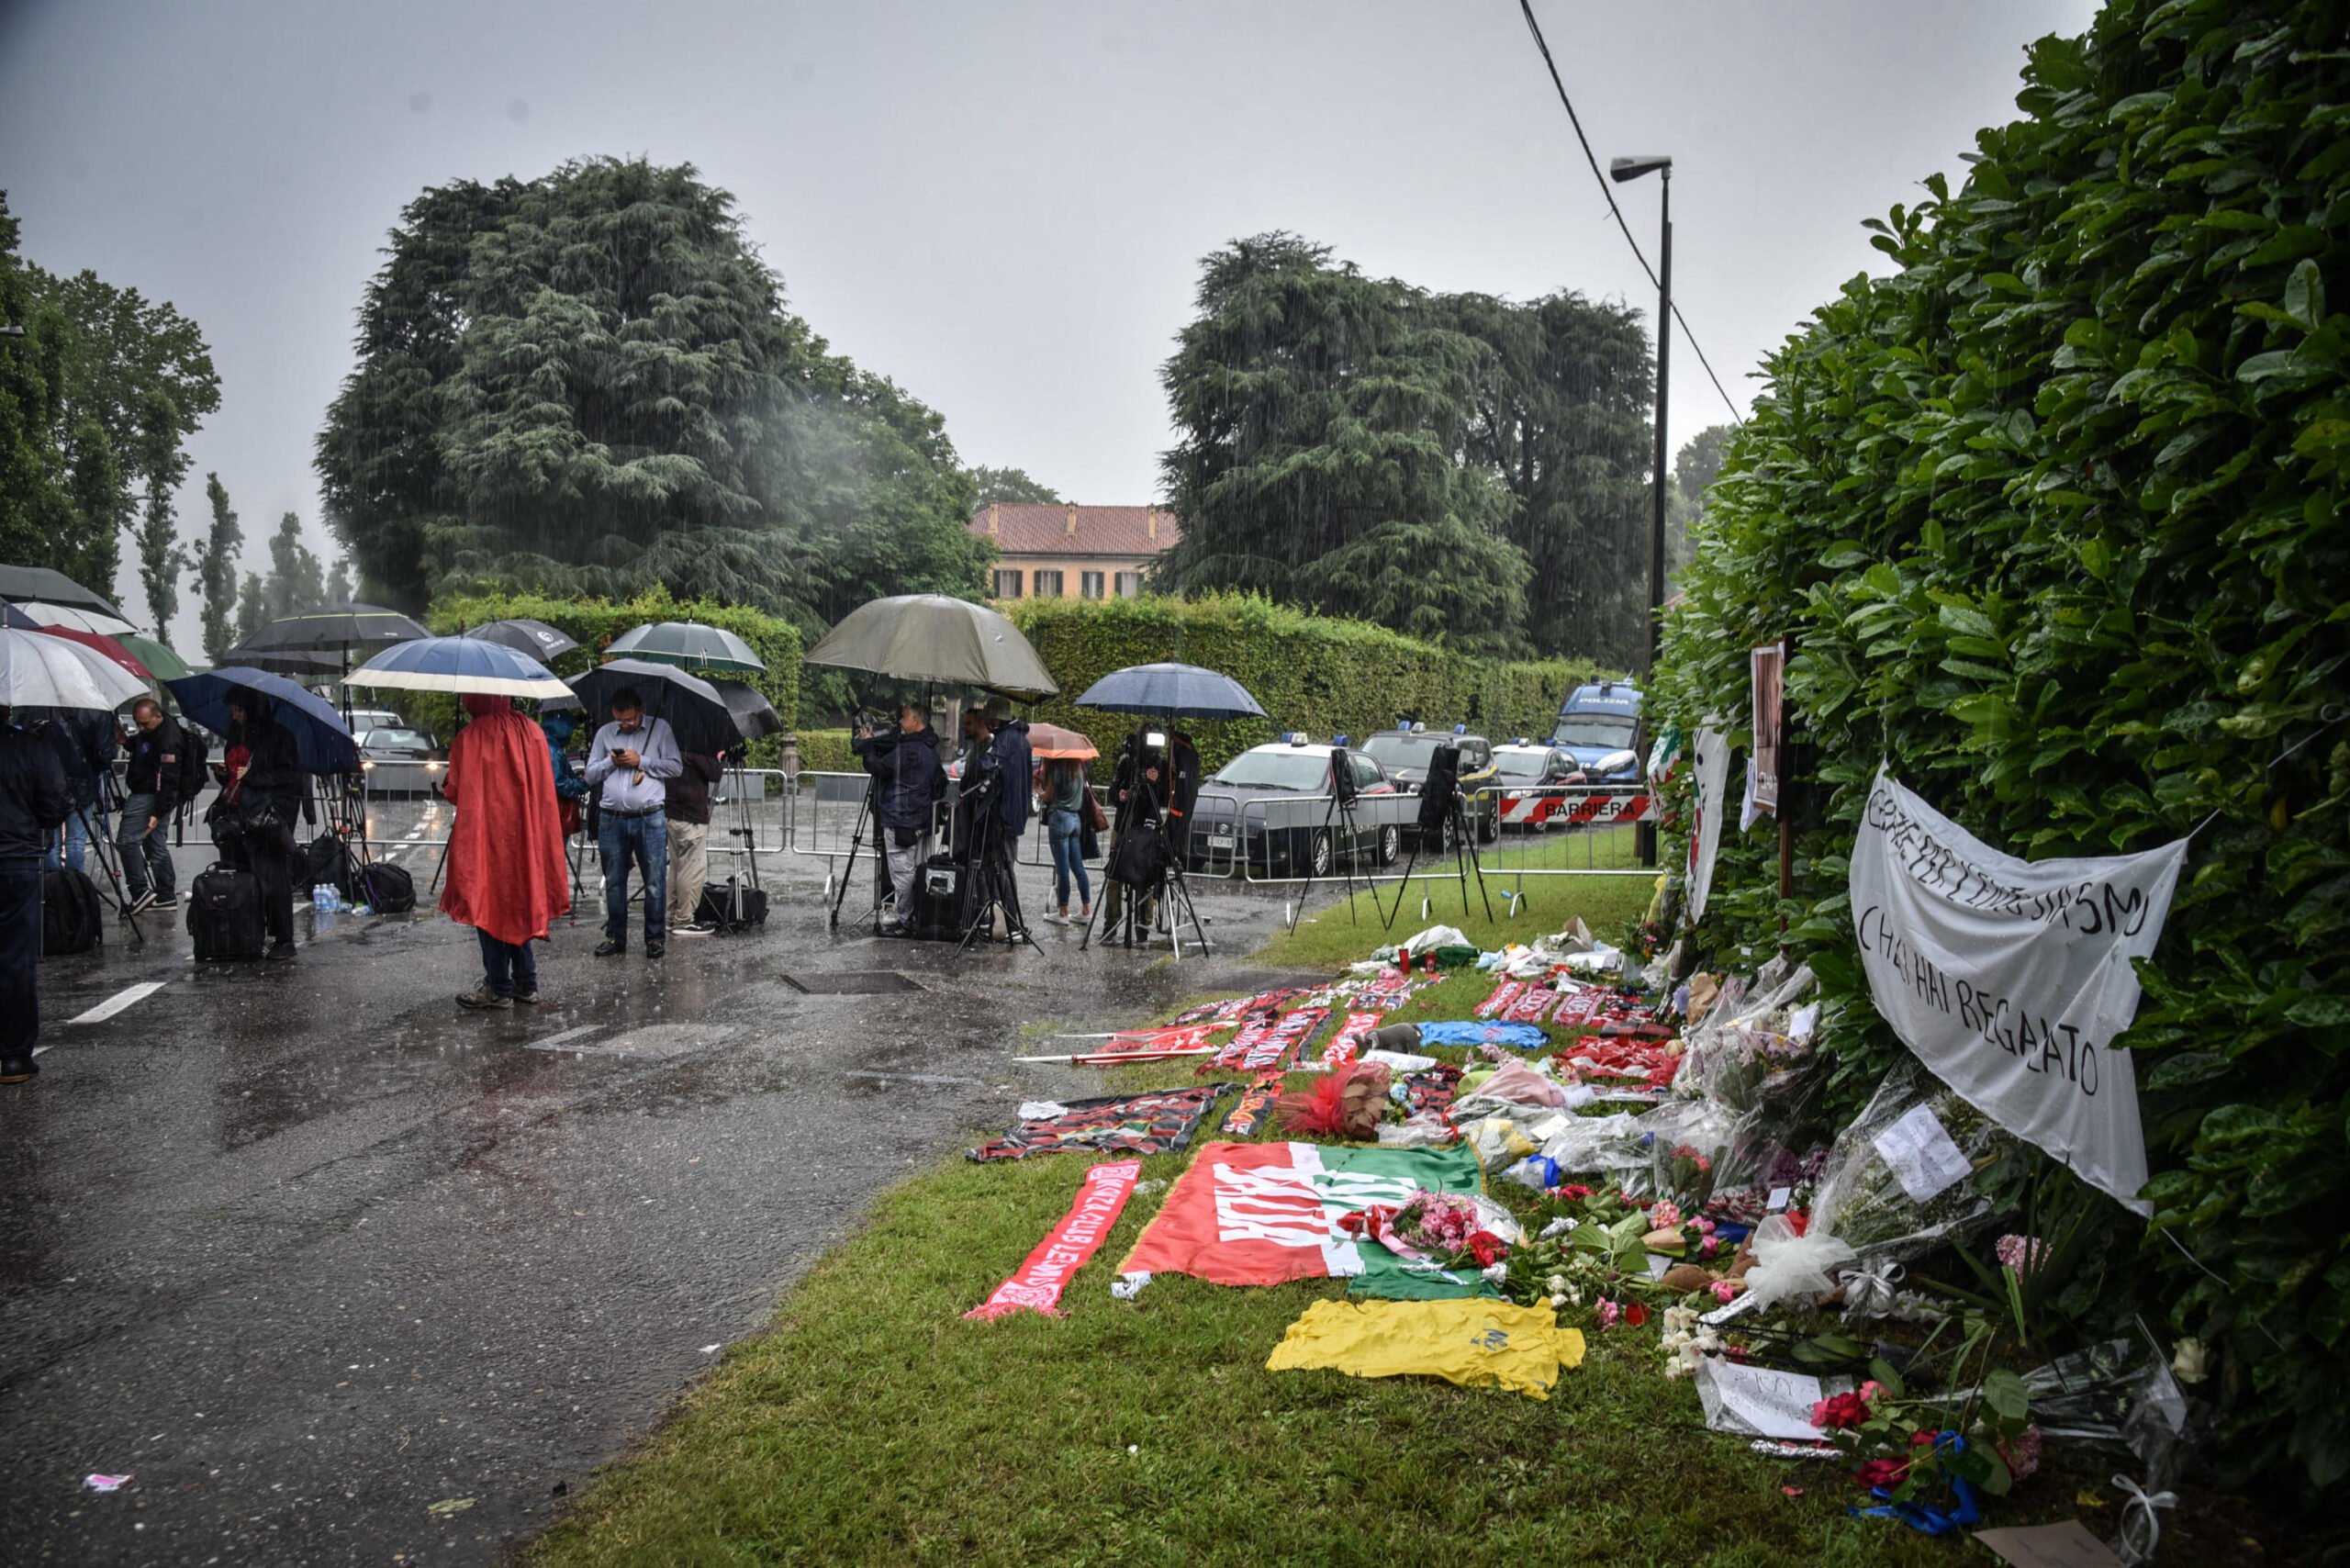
pixel 1636 1314
pixel 1886 1473
pixel 1840 1410
pixel 1575 1192
pixel 1485 1247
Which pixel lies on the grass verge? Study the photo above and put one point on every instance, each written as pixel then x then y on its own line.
pixel 871 1423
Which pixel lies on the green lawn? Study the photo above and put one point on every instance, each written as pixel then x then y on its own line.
pixel 872 1424
pixel 1338 934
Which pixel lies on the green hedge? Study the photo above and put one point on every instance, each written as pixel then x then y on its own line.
pixel 596 621
pixel 2055 513
pixel 827 751
pixel 1323 676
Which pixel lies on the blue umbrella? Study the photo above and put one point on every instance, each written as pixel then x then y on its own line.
pixel 1171 691
pixel 322 742
pixel 458 664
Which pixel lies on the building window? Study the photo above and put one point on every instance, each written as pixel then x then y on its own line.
pixel 1089 583
pixel 1007 583
pixel 1129 585
pixel 1048 583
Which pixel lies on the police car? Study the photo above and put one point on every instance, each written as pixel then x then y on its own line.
pixel 1405 751
pixel 1528 780
pixel 1281 799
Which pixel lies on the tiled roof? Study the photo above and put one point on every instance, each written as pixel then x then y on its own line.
pixel 1022 529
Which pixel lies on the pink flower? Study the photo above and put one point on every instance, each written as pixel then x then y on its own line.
pixel 1705 1227
pixel 1872 1391
pixel 2022 1253
pixel 2022 1452
pixel 1608 1312
pixel 1724 1291
pixel 1664 1214
pixel 1713 1244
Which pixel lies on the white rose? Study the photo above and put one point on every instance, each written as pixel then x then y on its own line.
pixel 1558 1298
pixel 2190 1362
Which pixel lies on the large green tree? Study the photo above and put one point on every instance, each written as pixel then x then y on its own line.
pixel 214 562
pixel 1322 416
pixel 1011 485
pixel 589 381
pixel 132 380
pixel 297 581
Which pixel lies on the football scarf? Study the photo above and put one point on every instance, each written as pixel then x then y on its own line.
pixel 1156 1123
pixel 1036 1284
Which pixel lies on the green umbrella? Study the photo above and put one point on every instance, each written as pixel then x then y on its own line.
pixel 928 638
pixel 688 644
pixel 165 664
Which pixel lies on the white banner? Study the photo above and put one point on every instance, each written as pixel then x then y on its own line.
pixel 1705 832
pixel 2009 978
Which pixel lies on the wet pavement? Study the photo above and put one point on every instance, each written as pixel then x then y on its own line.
pixel 308 1251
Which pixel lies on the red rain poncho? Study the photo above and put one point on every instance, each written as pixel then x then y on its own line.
pixel 507 872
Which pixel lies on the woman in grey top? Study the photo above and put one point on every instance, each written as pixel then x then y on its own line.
pixel 1065 786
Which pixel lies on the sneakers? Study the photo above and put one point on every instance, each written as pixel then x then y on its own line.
pixel 697 928
pixel 608 948
pixel 282 951
pixel 654 949
pixel 142 903
pixel 527 998
pixel 481 999
pixel 163 900
pixel 18 1069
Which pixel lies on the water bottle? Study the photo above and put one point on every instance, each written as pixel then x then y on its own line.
pixel 319 895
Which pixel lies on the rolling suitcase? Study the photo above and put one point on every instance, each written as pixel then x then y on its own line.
pixel 224 916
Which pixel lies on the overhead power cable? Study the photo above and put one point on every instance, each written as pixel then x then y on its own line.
pixel 1597 173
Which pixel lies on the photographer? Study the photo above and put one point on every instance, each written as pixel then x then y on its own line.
pixel 34 799
pixel 153 782
pixel 252 820
pixel 1141 787
pixel 907 775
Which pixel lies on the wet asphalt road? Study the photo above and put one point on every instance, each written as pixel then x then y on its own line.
pixel 306 1250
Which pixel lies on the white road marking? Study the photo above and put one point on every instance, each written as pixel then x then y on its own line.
pixel 568 1034
pixel 117 1001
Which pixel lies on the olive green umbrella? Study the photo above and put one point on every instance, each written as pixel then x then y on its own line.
pixel 927 637
pixel 688 644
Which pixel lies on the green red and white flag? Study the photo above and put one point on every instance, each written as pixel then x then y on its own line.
pixel 1264 1214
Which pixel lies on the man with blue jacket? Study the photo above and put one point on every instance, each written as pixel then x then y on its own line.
pixel 906 778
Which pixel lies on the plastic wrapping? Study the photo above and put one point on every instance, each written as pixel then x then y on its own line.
pixel 1865 1196
pixel 2117 1394
pixel 1498 1142
pixel 1791 1267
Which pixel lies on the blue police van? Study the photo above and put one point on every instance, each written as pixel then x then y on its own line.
pixel 1598 726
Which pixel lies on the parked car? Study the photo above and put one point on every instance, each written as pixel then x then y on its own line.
pixel 1528 780
pixel 398 760
pixel 1295 831
pixel 1405 751
pixel 365 719
pixel 1599 726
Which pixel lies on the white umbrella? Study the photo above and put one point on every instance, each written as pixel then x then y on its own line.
pixel 75 620
pixel 40 671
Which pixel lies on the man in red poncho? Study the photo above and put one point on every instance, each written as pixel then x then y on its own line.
pixel 508 877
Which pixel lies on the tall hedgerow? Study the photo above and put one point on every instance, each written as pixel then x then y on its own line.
pixel 2054 516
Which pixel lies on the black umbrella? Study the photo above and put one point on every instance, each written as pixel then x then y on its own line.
pixel 693 708
pixel 48 586
pixel 754 714
pixel 536 638
pixel 328 640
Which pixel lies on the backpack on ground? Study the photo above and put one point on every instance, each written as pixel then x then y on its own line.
pixel 224 915
pixel 942 899
pixel 732 906
pixel 385 888
pixel 323 860
pixel 71 916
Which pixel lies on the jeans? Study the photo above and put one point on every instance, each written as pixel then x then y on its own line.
pixel 507 967
pixel 19 956
pixel 646 839
pixel 1067 833
pixel 903 861
pixel 146 857
pixel 689 865
pixel 76 835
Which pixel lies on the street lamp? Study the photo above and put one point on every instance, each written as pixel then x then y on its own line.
pixel 1621 170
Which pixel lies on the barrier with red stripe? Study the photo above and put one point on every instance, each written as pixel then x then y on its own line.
pixel 1572 809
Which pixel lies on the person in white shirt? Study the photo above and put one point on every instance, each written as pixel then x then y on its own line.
pixel 629 768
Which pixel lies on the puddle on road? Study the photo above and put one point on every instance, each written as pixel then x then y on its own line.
pixel 651 1042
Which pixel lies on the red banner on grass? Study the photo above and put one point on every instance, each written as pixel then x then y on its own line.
pixel 1036 1283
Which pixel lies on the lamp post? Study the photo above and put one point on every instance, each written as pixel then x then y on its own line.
pixel 1621 170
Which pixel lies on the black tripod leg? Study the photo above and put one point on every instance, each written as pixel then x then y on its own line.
pixel 1404 886
pixel 1465 850
pixel 856 842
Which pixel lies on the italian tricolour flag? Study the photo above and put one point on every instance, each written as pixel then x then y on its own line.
pixel 1261 1213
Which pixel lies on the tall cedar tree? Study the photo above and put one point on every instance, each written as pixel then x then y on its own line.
pixel 1458 468
pixel 588 382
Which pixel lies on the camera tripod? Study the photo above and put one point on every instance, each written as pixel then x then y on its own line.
pixel 1454 820
pixel 1167 898
pixel 993 885
pixel 881 863
pixel 103 847
pixel 1341 812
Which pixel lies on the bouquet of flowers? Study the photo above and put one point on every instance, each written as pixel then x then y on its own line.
pixel 1860 1199
pixel 1443 1228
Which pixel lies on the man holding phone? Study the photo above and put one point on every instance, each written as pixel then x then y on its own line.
pixel 629 766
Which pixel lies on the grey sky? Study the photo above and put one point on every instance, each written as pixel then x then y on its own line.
pixel 1001 206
